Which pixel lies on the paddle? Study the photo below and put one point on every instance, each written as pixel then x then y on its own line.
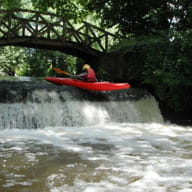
pixel 66 73
pixel 61 71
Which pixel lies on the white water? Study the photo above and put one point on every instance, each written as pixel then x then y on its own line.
pixel 120 146
pixel 111 157
pixel 49 110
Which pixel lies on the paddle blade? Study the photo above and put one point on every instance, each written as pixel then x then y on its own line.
pixel 60 71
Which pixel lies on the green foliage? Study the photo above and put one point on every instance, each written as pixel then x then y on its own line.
pixel 10 4
pixel 69 9
pixel 40 62
pixel 11 58
pixel 34 62
pixel 181 14
pixel 162 63
pixel 132 16
pixel 15 4
pixel 168 69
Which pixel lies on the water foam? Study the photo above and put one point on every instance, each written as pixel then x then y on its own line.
pixel 111 157
pixel 48 109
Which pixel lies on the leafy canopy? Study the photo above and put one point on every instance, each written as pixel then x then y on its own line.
pixel 70 9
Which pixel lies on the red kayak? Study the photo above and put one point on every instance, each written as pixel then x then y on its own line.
pixel 93 86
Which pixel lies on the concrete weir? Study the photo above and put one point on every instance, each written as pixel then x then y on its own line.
pixel 37 104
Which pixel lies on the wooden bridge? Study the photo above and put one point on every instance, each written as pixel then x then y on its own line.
pixel 48 31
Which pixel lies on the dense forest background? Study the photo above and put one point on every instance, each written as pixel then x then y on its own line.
pixel 157 36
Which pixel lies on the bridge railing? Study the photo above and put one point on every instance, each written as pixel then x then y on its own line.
pixel 35 25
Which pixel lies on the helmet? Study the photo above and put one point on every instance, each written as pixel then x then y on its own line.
pixel 86 66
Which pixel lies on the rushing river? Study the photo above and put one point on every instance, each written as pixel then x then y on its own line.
pixel 135 152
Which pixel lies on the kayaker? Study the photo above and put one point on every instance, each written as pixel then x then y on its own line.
pixel 88 74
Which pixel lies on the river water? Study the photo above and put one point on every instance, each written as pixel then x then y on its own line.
pixel 88 146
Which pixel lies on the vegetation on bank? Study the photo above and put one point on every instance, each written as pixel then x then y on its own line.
pixel 166 62
pixel 34 62
pixel 158 38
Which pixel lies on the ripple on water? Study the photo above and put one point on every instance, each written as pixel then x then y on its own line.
pixel 111 157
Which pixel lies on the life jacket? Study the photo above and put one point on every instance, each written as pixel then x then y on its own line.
pixel 90 77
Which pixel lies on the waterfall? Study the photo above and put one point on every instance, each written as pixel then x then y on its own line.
pixel 25 105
